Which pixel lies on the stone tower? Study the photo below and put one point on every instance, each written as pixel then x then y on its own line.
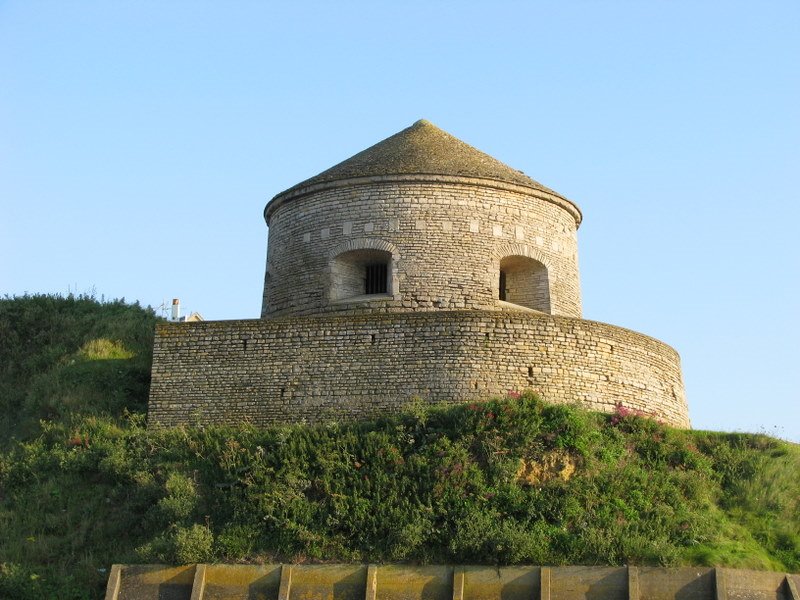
pixel 418 268
pixel 418 222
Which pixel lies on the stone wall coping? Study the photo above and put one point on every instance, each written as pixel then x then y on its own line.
pixel 422 178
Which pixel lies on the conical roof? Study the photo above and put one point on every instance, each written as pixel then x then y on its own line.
pixel 422 149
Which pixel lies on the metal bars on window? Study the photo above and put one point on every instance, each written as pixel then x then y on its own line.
pixel 375 280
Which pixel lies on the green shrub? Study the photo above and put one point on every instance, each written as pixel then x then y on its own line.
pixel 181 500
pixel 236 542
pixel 193 544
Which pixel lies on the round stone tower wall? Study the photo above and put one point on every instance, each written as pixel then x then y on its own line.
pixel 444 240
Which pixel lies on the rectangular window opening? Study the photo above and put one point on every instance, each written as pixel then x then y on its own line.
pixel 375 281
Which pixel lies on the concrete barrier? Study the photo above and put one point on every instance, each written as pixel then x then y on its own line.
pixel 460 582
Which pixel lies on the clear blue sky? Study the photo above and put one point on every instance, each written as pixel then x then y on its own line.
pixel 139 142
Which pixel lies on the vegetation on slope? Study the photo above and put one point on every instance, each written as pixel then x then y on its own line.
pixel 513 480
pixel 70 357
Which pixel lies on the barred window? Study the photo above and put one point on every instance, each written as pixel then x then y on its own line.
pixel 363 272
pixel 375 280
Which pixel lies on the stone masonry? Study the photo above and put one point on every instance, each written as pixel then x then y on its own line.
pixel 447 237
pixel 318 368
pixel 418 268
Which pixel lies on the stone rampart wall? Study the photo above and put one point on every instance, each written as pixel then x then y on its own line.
pixel 318 368
pixel 446 235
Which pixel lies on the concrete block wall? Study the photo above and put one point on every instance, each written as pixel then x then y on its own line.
pixel 313 369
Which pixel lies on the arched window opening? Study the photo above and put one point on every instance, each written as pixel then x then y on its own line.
pixel 524 281
pixel 361 273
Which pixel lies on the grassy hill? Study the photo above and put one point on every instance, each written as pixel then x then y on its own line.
pixel 83 483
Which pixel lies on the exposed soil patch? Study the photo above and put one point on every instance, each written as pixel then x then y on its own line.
pixel 550 465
